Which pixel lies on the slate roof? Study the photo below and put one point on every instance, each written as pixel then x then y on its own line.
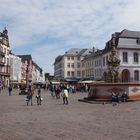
pixel 36 66
pixel 124 34
pixel 25 57
pixel 84 52
pixel 94 54
pixel 78 52
pixel 129 34
pixel 58 59
pixel 73 51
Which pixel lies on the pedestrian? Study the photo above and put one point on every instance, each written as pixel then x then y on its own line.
pixel 29 96
pixel 65 96
pixel 0 88
pixel 52 90
pixel 38 96
pixel 10 90
pixel 58 90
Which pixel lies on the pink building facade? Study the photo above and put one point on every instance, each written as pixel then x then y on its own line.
pixel 26 68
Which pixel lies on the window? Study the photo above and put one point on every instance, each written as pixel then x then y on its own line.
pixel 72 65
pixel 68 65
pixel 68 58
pixel 4 60
pixel 136 57
pixel 103 61
pixel 72 58
pixel 83 73
pixel 88 64
pixel 8 63
pixel 1 69
pixel 106 59
pixel 1 49
pixel 136 75
pixel 125 57
pixel 8 52
pixel 95 63
pixel 78 65
pixel 68 73
pixel 99 62
pixel 4 50
pixel 72 73
pixel 78 58
pixel 83 64
pixel 78 73
pixel 138 41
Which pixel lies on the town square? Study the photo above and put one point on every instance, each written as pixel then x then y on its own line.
pixel 76 121
pixel 69 70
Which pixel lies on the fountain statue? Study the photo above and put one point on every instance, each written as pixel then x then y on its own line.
pixel 113 63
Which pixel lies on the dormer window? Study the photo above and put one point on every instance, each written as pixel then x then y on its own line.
pixel 138 41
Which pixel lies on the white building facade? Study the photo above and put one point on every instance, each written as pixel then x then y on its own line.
pixel 15 68
pixel 4 58
pixel 128 51
pixel 77 64
pixel 69 66
pixel 37 74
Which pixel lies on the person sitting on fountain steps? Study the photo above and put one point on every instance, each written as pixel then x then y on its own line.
pixel 124 97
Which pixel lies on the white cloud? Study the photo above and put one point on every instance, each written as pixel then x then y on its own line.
pixel 44 56
pixel 55 25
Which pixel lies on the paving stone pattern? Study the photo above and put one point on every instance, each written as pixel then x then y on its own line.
pixel 76 121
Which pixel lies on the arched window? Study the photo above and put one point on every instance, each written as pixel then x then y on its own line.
pixel 125 75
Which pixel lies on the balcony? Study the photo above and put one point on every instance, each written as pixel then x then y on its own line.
pixel 7 71
pixel 2 53
pixel 8 66
pixel 2 63
pixel 5 74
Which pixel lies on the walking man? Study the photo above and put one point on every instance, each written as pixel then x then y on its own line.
pixel 65 96
pixel 38 96
pixel 10 90
pixel 29 96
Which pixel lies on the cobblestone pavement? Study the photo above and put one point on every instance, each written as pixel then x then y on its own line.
pixel 76 121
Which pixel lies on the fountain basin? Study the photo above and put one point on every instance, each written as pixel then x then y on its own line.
pixel 104 90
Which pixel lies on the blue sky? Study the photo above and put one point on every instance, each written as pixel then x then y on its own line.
pixel 48 28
